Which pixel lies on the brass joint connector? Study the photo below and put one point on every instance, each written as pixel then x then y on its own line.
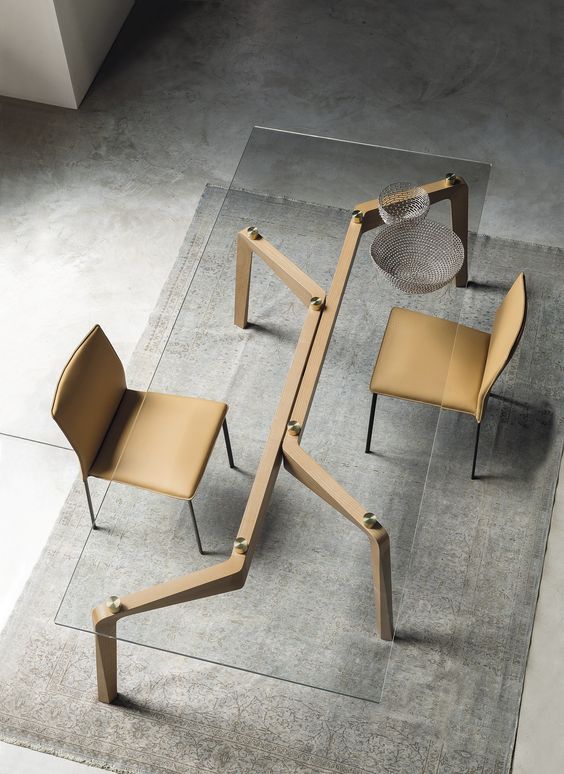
pixel 113 604
pixel 369 520
pixel 240 546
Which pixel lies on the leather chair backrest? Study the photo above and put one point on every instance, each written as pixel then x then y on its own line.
pixel 88 394
pixel 507 329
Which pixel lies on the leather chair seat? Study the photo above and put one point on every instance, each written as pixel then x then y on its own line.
pixel 431 360
pixel 160 442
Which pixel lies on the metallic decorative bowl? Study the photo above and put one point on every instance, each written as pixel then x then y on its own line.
pixel 403 202
pixel 418 258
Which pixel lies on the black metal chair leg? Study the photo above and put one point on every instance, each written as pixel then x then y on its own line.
pixel 475 451
pixel 371 422
pixel 228 444
pixel 90 508
pixel 195 523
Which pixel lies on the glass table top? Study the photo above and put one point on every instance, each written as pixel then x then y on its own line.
pixel 306 612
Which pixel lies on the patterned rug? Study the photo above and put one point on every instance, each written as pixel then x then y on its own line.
pixel 454 679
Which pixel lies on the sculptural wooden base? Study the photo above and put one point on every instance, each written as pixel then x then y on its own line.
pixel 283 442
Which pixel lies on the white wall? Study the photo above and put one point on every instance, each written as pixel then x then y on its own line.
pixel 33 64
pixel 50 50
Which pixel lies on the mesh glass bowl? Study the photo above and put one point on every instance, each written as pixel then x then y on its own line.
pixel 419 259
pixel 403 202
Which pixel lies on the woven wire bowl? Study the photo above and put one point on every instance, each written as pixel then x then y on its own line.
pixel 418 258
pixel 400 202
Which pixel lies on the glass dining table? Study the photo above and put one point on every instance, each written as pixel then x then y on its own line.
pixel 308 540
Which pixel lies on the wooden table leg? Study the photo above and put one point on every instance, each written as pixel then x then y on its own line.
pixel 382 577
pixel 311 474
pixel 106 663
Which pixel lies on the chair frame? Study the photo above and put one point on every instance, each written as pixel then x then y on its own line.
pixel 283 442
pixel 489 394
pixel 191 506
pixel 371 426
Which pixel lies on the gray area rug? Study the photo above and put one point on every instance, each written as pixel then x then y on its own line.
pixel 467 556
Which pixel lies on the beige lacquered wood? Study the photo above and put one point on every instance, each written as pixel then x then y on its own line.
pixel 106 662
pixel 294 404
pixel 243 267
pixel 226 576
pixel 305 469
pixel 327 324
pixel 292 276
pixel 272 455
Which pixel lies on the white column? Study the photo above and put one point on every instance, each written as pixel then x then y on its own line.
pixel 50 50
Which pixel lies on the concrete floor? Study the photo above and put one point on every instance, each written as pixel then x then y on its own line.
pixel 95 204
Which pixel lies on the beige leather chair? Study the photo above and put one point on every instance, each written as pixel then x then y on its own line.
pixel 164 447
pixel 430 360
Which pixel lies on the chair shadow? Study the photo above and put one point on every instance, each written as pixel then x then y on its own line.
pixel 507 399
pixel 245 472
pixel 492 287
pixel 100 528
pixel 525 439
pixel 515 441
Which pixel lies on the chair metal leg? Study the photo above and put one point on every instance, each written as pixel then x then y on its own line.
pixel 195 523
pixel 228 444
pixel 371 422
pixel 475 451
pixel 90 508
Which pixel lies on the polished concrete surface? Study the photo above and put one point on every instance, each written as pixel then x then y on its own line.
pixel 16 760
pixel 539 739
pixel 95 202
